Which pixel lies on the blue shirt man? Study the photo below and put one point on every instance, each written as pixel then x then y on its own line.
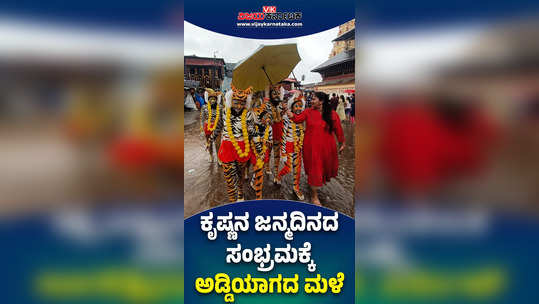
pixel 199 99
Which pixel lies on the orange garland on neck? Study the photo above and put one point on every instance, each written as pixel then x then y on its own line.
pixel 210 126
pixel 244 131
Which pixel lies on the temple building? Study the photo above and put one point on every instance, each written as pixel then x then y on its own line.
pixel 338 71
pixel 206 72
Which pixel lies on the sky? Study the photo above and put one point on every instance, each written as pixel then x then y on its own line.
pixel 313 49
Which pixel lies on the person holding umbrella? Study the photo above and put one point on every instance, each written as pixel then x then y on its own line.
pixel 293 136
pixel 320 156
pixel 237 127
pixel 260 144
pixel 276 96
pixel 268 65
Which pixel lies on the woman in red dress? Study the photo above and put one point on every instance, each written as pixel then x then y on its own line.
pixel 320 157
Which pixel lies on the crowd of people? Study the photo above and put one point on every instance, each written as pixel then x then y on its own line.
pixel 299 128
pixel 344 106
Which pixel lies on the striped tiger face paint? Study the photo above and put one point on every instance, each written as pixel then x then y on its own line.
pixel 297 107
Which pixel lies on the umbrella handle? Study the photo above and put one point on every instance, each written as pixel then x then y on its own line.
pixel 299 85
pixel 264 69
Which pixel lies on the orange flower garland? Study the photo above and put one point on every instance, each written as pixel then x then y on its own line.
pixel 244 130
pixel 210 126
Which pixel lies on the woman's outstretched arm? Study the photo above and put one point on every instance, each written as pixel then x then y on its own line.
pixel 297 118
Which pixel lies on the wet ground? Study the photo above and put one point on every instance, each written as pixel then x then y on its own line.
pixel 205 187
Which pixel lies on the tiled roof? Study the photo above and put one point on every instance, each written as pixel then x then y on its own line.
pixel 347 36
pixel 344 56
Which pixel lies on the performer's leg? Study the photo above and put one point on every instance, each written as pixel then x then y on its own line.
pixel 297 174
pixel 231 179
pixel 276 157
pixel 266 167
pixel 245 171
pixel 314 196
pixel 266 164
pixel 240 168
pixel 217 144
pixel 258 181
pixel 209 147
pixel 286 169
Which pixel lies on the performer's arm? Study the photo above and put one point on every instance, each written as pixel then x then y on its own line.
pixel 250 121
pixel 286 124
pixel 219 127
pixel 203 116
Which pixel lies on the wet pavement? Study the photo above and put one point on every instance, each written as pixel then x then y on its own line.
pixel 205 187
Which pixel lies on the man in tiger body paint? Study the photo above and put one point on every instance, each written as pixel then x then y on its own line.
pixel 276 96
pixel 258 104
pixel 209 117
pixel 261 146
pixel 293 143
pixel 236 127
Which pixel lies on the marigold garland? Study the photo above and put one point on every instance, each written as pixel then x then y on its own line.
pixel 210 126
pixel 259 159
pixel 245 134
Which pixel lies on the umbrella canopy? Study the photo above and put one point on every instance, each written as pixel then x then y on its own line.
pixel 349 91
pixel 275 62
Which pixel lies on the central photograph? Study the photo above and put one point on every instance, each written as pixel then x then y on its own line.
pixel 269 119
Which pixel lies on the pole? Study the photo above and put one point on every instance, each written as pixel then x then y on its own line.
pixel 264 69
pixel 299 85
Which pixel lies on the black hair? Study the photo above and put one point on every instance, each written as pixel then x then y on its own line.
pixel 326 110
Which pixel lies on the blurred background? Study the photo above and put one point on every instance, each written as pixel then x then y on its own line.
pixel 446 176
pixel 91 151
pixel 449 113
pixel 90 104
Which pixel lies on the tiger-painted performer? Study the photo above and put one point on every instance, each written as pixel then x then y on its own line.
pixel 258 104
pixel 209 117
pixel 261 144
pixel 276 96
pixel 236 128
pixel 293 143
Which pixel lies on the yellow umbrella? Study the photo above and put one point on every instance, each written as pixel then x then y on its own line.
pixel 268 64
